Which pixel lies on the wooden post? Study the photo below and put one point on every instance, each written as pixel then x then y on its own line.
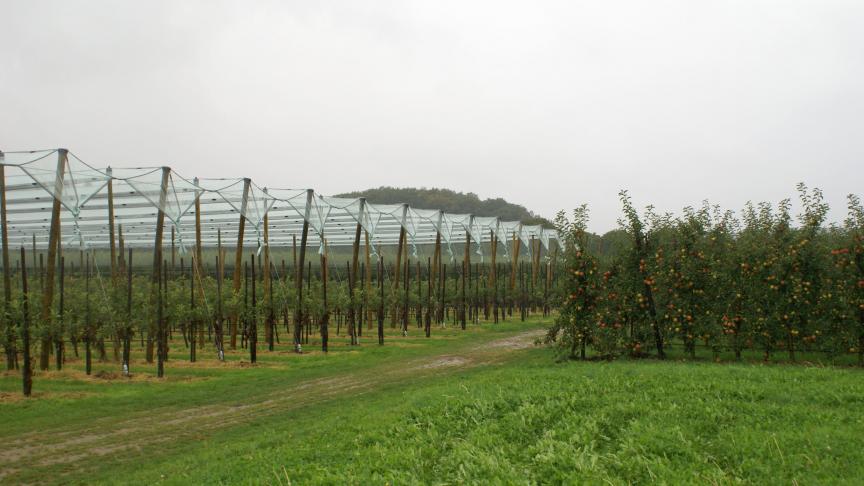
pixel 368 281
pixel 199 255
pixel 514 268
pixel 521 278
pixel 454 305
pixel 398 271
pixel 361 312
pixel 466 271
pixel 535 271
pixel 294 253
pixel 27 375
pixel 193 323
pixel 53 245
pixel 253 324
pixel 419 311
pixel 349 315
pixel 219 339
pixel 546 290
pixel 436 261
pixel 325 315
pixel 298 313
pixel 157 253
pixel 162 277
pixel 238 257
pixel 11 351
pixel 429 280
pixel 493 276
pixel 485 277
pixel 533 258
pixel 121 260
pixel 111 226
pixel 173 250
pixel 127 329
pixel 88 326
pixel 515 259
pixel 405 299
pixel 245 319
pixel 220 268
pixel 352 281
pixel 381 300
pixel 58 339
pixel 119 339
pixel 475 301
pixel 441 317
pixel 550 272
pixel 503 271
pixel 265 276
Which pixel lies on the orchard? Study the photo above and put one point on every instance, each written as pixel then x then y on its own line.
pixel 764 283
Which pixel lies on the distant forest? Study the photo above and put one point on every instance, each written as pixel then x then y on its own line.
pixel 451 202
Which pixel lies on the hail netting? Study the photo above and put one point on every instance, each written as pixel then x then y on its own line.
pixel 35 179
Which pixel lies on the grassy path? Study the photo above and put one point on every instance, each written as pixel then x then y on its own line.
pixel 529 419
pixel 166 417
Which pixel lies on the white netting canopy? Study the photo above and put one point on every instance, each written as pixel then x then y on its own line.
pixel 34 180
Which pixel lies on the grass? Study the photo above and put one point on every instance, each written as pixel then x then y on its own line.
pixel 73 415
pixel 532 421
pixel 500 416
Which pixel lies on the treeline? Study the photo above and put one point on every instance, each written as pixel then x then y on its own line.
pixel 763 282
pixel 450 201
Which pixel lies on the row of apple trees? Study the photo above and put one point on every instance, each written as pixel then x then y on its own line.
pixel 706 281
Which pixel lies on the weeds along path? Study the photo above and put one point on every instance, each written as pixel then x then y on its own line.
pixel 71 449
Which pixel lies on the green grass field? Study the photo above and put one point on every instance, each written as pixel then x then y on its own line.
pixel 479 406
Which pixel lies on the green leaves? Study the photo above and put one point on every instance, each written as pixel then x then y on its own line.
pixel 706 278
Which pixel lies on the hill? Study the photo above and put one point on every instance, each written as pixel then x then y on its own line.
pixel 451 202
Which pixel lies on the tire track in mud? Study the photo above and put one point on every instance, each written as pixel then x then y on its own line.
pixel 70 449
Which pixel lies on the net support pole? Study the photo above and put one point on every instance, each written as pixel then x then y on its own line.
pixel 436 252
pixel 238 257
pixel 53 244
pixel 547 286
pixel 111 239
pixel 494 275
pixel 427 322
pixel 381 300
pixel 466 272
pixel 27 375
pixel 265 277
pixel 173 250
pixel 11 351
pixel 156 279
pixel 298 313
pixel 294 255
pixel 516 247
pixel 436 265
pixel 325 311
pixel 404 313
pixel 198 259
pixel 534 262
pixel 368 280
pixel 220 269
pixel 121 259
pixel 199 250
pixel 352 283
pixel 398 271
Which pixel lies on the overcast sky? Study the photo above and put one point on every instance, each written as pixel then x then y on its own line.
pixel 547 104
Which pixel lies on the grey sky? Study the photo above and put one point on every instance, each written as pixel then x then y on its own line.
pixel 548 104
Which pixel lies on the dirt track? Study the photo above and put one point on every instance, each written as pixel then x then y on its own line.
pixel 72 448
